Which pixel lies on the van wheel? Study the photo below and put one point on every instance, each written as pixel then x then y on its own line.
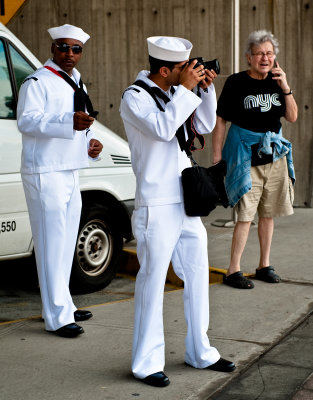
pixel 98 250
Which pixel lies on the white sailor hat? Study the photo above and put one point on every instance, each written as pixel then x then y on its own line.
pixel 168 48
pixel 68 32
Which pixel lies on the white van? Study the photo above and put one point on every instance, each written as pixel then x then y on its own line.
pixel 107 186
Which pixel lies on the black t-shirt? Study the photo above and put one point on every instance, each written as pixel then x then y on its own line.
pixel 252 104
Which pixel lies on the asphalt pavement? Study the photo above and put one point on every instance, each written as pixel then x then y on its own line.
pixel 266 331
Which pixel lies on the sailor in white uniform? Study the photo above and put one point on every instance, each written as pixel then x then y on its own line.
pixel 161 227
pixel 57 141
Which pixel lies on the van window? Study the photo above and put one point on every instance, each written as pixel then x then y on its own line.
pixel 21 67
pixel 7 101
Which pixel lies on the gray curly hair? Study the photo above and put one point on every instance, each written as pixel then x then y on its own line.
pixel 257 37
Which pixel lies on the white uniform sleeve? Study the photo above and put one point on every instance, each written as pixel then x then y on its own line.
pixel 90 135
pixel 35 120
pixel 205 115
pixel 140 110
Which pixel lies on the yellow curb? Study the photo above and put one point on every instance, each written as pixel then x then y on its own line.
pixel 130 266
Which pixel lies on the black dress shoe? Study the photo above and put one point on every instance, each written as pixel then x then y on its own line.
pixel 158 379
pixel 70 330
pixel 82 315
pixel 222 365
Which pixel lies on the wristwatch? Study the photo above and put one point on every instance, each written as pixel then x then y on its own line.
pixel 287 94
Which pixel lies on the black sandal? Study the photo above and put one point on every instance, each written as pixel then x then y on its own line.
pixel 238 281
pixel 267 274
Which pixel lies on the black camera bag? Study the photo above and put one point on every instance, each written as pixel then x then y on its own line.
pixel 204 188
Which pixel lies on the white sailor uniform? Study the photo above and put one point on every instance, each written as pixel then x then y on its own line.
pixel 52 153
pixel 162 229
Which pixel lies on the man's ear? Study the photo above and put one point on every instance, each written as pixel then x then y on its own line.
pixel 52 47
pixel 164 71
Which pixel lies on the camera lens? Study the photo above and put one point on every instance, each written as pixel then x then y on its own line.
pixel 214 64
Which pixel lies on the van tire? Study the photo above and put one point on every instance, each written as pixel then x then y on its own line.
pixel 98 250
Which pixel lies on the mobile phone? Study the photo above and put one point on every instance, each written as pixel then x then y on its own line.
pixel 93 114
pixel 275 66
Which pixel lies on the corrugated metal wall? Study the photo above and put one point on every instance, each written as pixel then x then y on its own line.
pixel 117 50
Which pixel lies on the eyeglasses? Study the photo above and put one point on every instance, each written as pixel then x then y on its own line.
pixel 260 54
pixel 64 48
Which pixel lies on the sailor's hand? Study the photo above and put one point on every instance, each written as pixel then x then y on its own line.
pixel 82 121
pixel 210 75
pixel 95 148
pixel 190 77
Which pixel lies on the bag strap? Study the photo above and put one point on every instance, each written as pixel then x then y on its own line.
pixel 152 93
pixel 53 70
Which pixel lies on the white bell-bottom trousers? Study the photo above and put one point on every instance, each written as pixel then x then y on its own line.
pixel 54 206
pixel 165 233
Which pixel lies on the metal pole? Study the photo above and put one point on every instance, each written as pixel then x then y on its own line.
pixel 236 35
pixel 235 68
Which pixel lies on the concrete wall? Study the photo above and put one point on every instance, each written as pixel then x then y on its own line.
pixel 117 50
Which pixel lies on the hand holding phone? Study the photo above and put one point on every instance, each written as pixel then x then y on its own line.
pixel 280 77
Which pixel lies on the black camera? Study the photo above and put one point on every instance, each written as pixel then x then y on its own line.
pixel 214 64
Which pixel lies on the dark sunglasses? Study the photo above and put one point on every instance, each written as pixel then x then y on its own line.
pixel 64 48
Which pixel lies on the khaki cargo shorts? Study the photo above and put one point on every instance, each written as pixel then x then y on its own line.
pixel 271 195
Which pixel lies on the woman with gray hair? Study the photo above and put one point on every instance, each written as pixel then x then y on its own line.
pixel 260 173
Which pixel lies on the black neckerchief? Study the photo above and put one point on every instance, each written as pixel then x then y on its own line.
pixel 81 98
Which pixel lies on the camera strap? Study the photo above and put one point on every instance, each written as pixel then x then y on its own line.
pixel 185 145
